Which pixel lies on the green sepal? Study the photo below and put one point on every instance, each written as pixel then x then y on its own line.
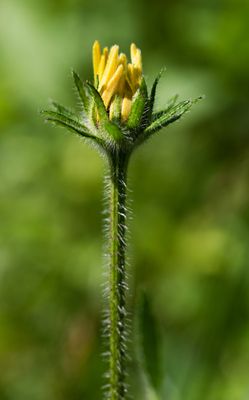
pixel 98 102
pixel 171 103
pixel 117 104
pixel 69 123
pixel 83 91
pixel 169 116
pixel 110 129
pixel 63 110
pixel 153 94
pixel 138 105
pixel 113 131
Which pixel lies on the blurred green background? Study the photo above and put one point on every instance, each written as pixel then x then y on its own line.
pixel 190 230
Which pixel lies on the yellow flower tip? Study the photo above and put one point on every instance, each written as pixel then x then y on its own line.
pixel 133 51
pixel 101 67
pixel 131 77
pixel 139 60
pixel 102 63
pixel 112 85
pixel 117 76
pixel 136 57
pixel 105 52
pixel 96 51
pixel 123 60
pixel 111 65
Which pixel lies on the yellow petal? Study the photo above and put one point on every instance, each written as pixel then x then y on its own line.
pixel 102 63
pixel 101 68
pixel 105 52
pixel 123 60
pixel 138 63
pixel 96 51
pixel 112 85
pixel 136 58
pixel 137 77
pixel 133 50
pixel 111 66
pixel 126 108
pixel 121 86
pixel 131 77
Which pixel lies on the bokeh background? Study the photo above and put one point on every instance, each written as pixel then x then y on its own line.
pixel 190 232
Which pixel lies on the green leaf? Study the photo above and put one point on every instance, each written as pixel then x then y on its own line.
pixel 110 129
pixel 169 116
pixel 63 110
pixel 150 342
pixel 116 113
pixel 113 131
pixel 83 91
pixel 69 123
pixel 172 101
pixel 102 113
pixel 153 93
pixel 138 105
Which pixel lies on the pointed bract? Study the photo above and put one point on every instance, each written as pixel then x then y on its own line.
pixel 66 122
pixel 63 110
pixel 170 115
pixel 171 103
pixel 115 108
pixel 153 93
pixel 102 113
pixel 113 131
pixel 83 91
pixel 139 102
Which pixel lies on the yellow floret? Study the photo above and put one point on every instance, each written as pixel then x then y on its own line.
pixel 112 85
pixel 125 109
pixel 96 57
pixel 111 66
pixel 114 75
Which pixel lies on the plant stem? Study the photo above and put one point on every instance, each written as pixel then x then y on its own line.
pixel 117 276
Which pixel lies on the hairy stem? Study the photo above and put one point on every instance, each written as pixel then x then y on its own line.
pixel 117 277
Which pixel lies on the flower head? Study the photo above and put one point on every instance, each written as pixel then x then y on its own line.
pixel 117 113
pixel 116 78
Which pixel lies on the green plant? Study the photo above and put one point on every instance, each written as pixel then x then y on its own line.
pixel 117 115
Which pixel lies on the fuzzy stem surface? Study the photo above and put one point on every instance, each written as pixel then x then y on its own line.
pixel 117 276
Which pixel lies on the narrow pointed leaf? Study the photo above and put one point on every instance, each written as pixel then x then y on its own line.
pixel 113 131
pixel 69 123
pixel 63 110
pixel 83 91
pixel 102 113
pixel 153 93
pixel 138 106
pixel 172 101
pixel 170 116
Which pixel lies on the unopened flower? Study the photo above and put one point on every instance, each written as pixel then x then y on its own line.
pixel 116 79
pixel 116 109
